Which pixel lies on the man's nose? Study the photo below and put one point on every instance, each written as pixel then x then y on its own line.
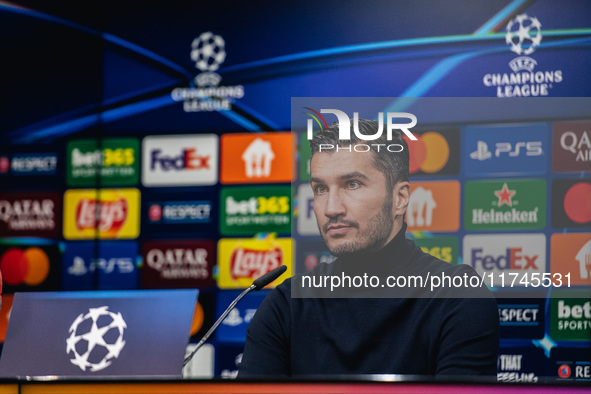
pixel 334 205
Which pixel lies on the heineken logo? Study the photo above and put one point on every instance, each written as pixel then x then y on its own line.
pixel 518 204
pixel 505 195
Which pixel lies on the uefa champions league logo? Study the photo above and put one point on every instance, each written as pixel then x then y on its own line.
pixel 524 34
pixel 208 53
pixel 96 338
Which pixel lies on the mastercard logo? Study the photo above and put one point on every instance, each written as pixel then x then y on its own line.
pixel 429 153
pixel 29 266
pixel 198 317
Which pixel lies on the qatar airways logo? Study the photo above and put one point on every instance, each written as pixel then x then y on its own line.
pixel 345 130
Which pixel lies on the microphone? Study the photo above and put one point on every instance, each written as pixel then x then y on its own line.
pixel 258 284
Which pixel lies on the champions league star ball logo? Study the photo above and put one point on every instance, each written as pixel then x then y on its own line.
pixel 523 34
pixel 206 95
pixel 96 339
pixel 207 51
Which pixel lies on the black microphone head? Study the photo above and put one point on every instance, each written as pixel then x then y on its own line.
pixel 269 277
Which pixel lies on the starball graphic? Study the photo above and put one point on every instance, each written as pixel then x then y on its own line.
pixel 96 338
pixel 208 52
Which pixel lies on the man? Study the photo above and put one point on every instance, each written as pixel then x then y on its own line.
pixel 360 201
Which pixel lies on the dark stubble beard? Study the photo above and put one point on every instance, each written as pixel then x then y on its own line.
pixel 373 238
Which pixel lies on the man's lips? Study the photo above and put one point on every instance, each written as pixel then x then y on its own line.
pixel 338 229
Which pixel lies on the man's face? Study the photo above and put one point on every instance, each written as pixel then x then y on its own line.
pixel 352 205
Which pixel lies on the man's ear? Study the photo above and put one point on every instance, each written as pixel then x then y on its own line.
pixel 401 197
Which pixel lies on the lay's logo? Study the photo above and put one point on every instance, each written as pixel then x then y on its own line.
pixel 243 260
pixel 106 214
pixel 250 263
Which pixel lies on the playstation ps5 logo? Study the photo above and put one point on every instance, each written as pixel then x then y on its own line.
pixel 481 153
pixel 531 148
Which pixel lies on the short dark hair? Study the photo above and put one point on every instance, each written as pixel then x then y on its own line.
pixel 394 165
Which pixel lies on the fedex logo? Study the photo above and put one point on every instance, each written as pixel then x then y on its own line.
pixel 187 159
pixel 306 219
pixel 501 253
pixel 180 160
pixel 513 259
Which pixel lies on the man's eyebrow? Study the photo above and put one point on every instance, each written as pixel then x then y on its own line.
pixel 355 174
pixel 351 175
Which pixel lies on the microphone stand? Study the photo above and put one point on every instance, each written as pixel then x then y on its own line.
pixel 217 323
pixel 256 285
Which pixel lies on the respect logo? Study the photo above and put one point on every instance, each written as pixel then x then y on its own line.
pixel 34 164
pixel 249 211
pixel 243 260
pixel 176 212
pixel 104 213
